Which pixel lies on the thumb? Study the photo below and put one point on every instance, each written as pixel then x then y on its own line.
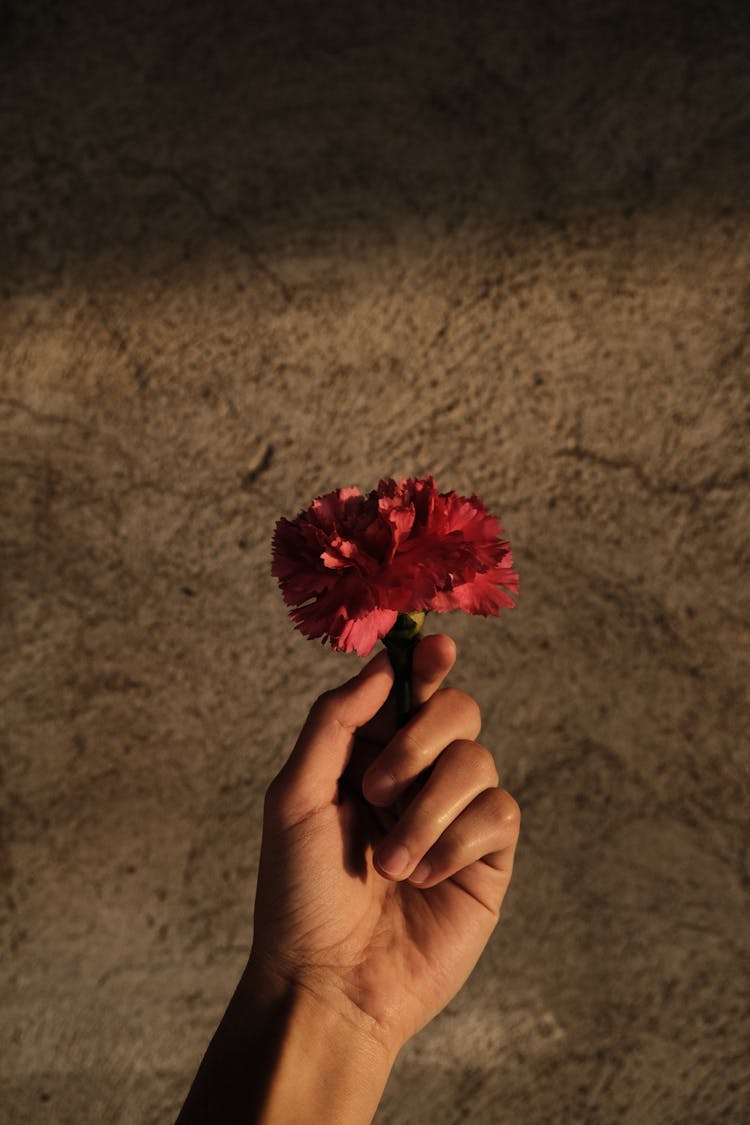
pixel 310 777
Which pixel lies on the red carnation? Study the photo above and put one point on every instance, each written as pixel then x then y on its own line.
pixel 350 564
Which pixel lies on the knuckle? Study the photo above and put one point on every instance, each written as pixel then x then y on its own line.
pixel 455 697
pixel 509 811
pixel 411 747
pixel 324 704
pixel 485 763
pixel 475 759
pixel 326 710
pixel 459 840
pixel 465 706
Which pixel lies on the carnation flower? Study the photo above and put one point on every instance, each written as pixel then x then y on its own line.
pixel 354 566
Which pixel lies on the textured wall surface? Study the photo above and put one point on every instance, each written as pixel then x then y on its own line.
pixel 251 254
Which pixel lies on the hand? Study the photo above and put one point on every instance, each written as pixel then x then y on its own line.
pixel 386 853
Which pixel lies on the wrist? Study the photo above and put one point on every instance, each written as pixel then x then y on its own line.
pixel 329 1062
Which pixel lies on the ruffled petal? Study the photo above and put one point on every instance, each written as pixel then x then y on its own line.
pixel 350 563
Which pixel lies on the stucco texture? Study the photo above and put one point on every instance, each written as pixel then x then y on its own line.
pixel 252 253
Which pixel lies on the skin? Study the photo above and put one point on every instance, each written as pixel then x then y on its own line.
pixel 385 858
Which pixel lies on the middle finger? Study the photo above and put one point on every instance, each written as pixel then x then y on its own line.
pixel 463 771
pixel 448 715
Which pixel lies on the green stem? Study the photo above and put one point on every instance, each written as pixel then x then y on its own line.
pixel 400 643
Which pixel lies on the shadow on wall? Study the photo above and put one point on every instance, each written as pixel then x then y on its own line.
pixel 137 132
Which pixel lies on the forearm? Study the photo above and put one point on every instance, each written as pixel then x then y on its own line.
pixel 281 1056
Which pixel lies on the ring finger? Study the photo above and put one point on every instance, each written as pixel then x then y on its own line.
pixel 486 830
pixel 463 770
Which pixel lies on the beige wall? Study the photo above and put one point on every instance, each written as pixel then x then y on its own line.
pixel 245 260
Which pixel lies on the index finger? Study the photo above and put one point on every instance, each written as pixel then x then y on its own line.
pixel 433 658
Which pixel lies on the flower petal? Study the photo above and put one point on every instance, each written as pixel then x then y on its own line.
pixel 350 563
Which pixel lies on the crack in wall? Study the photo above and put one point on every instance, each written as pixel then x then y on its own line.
pixel 218 218
pixel 713 482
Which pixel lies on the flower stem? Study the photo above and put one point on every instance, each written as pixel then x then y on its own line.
pixel 400 643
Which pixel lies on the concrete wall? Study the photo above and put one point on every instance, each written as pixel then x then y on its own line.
pixel 249 254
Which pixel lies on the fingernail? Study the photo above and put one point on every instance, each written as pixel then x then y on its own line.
pixel 380 786
pixel 421 872
pixel 392 858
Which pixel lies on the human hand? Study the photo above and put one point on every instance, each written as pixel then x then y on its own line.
pixel 375 902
